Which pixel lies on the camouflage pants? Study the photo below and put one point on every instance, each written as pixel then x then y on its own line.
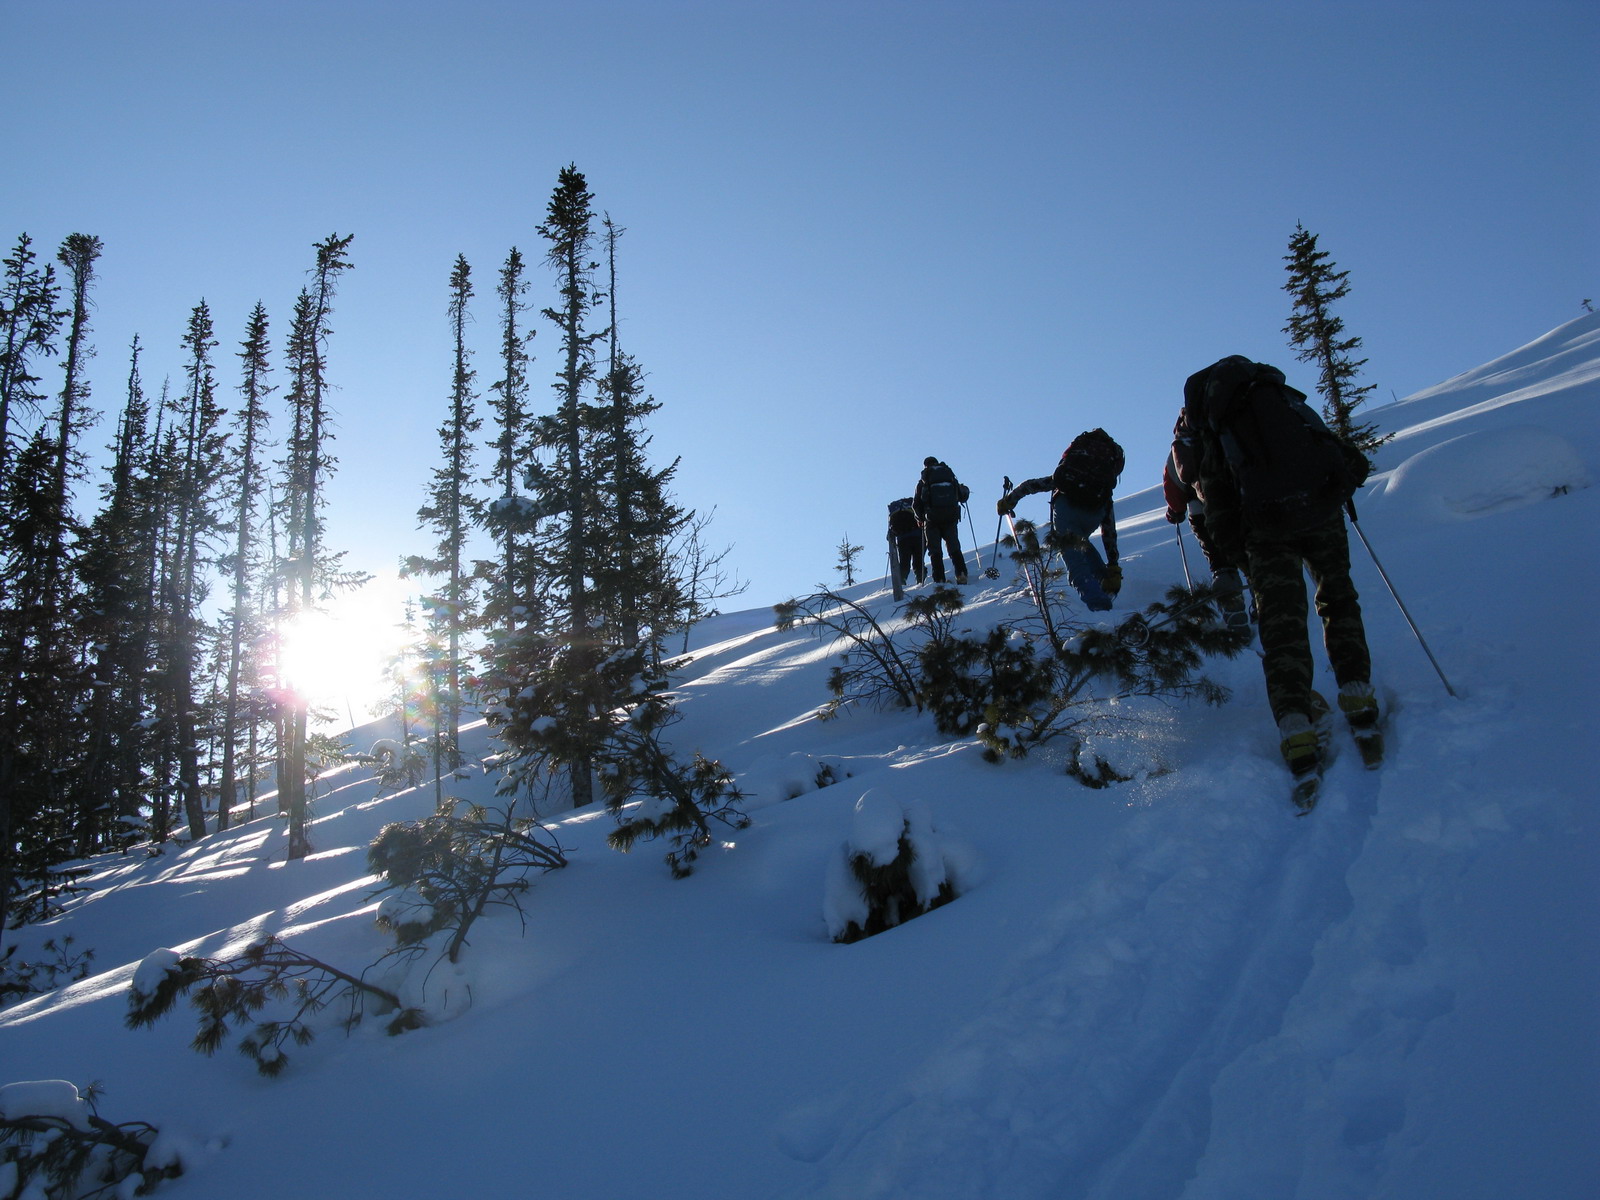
pixel 1277 577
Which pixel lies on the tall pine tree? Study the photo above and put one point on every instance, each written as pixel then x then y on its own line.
pixel 450 512
pixel 1318 337
pixel 29 322
pixel 311 571
pixel 244 559
pixel 510 602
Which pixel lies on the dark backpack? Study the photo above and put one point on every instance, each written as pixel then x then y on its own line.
pixel 1089 469
pixel 942 493
pixel 1288 468
pixel 901 517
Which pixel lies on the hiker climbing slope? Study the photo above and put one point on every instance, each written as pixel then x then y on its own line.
pixel 1274 481
pixel 1080 502
pixel 1180 481
pixel 937 503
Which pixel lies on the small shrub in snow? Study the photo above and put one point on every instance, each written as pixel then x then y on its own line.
pixel 19 978
pixel 1022 683
pixel 615 728
pixel 890 870
pixel 873 670
pixel 53 1143
pixel 397 765
pixel 447 870
pixel 238 990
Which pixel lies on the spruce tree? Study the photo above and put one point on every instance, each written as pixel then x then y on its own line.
pixel 311 572
pixel 449 512
pixel 640 589
pixel 1318 337
pixel 43 679
pixel 250 425
pixel 29 322
pixel 566 484
pixel 196 524
pixel 510 601
pixel 117 611
pixel 582 691
pixel 846 565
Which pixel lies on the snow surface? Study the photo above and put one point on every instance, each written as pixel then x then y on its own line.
pixel 1170 988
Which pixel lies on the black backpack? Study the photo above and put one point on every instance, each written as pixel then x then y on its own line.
pixel 901 517
pixel 1288 468
pixel 942 493
pixel 1089 469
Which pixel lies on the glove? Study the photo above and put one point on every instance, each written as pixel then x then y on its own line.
pixel 1175 516
pixel 1113 580
pixel 1005 506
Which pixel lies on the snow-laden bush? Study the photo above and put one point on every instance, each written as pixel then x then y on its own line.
pixel 54 1144
pixel 398 765
pixel 445 871
pixel 892 868
pixel 269 986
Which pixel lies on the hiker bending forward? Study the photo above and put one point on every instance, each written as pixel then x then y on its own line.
pixel 1274 481
pixel 1080 502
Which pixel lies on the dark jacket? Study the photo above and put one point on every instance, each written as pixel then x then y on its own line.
pixel 938 473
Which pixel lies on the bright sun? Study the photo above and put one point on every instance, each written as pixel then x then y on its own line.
pixel 335 657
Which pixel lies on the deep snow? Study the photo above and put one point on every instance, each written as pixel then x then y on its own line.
pixel 1167 988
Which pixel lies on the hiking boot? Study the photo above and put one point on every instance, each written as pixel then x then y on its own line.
pixel 1299 744
pixel 962 578
pixel 1230 598
pixel 1359 705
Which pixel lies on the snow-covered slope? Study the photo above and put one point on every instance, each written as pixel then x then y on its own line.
pixel 1167 988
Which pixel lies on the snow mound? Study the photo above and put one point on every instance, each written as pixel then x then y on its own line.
pixel 774 778
pixel 1487 471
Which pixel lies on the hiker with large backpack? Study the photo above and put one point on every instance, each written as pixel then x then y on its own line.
pixel 1274 480
pixel 937 504
pixel 1080 502
pixel 905 542
pixel 1180 480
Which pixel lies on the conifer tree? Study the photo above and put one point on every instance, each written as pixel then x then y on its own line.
pixel 117 612
pixel 42 675
pixel 450 511
pixel 510 600
pixel 566 484
pixel 250 425
pixel 846 565
pixel 583 691
pixel 29 322
pixel 196 523
pixel 639 587
pixel 311 571
pixel 1318 337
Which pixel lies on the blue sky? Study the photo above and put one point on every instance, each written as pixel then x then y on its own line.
pixel 858 233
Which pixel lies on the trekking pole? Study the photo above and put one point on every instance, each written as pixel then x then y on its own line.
pixel 1188 579
pixel 1350 507
pixel 1035 589
pixel 992 571
pixel 977 559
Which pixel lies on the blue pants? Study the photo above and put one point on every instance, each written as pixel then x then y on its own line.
pixel 1070 528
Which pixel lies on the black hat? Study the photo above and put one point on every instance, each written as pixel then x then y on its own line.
pixel 930 461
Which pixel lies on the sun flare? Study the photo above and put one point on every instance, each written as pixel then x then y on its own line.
pixel 335 656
